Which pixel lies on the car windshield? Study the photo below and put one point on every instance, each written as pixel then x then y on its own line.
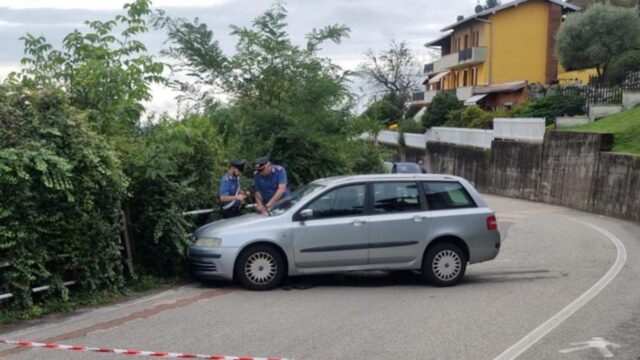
pixel 286 203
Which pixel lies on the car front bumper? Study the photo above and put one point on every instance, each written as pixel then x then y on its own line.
pixel 212 263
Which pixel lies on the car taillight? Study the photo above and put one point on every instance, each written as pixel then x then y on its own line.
pixel 492 223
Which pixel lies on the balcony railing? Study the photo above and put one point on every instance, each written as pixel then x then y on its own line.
pixel 464 93
pixel 417 96
pixel 465 55
pixel 470 56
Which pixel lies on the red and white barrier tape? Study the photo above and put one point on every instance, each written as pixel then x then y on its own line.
pixel 24 343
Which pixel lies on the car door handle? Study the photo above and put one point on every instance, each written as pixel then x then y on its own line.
pixel 357 223
pixel 418 218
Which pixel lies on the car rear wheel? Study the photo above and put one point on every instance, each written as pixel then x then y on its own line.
pixel 444 265
pixel 260 267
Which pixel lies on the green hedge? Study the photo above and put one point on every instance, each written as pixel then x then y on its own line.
pixel 61 187
pixel 176 166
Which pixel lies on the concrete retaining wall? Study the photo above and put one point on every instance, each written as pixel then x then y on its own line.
pixel 599 111
pixel 567 121
pixel 569 169
pixel 630 99
pixel 515 169
pixel 468 162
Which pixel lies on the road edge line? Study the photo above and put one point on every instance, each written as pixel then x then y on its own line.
pixel 541 331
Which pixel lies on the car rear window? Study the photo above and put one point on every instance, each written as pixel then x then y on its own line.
pixel 445 195
pixel 391 197
pixel 406 169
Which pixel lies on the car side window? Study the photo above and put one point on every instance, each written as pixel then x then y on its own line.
pixel 344 201
pixel 445 195
pixel 393 197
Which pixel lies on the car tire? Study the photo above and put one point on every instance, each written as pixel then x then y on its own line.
pixel 260 267
pixel 444 265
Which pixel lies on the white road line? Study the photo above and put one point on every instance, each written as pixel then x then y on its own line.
pixel 533 337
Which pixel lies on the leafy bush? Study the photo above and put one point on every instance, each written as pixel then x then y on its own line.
pixel 384 111
pixel 176 167
pixel 628 61
pixel 61 187
pixel 412 110
pixel 471 117
pixel 441 105
pixel 364 158
pixel 550 107
pixel 411 126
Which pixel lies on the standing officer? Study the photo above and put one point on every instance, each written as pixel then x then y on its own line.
pixel 231 198
pixel 270 183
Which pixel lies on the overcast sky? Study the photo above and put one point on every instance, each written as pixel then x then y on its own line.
pixel 373 23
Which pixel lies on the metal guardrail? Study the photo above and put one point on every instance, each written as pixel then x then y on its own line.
pixel 37 289
pixel 209 211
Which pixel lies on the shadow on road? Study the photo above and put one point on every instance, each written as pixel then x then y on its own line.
pixel 373 279
pixel 511 276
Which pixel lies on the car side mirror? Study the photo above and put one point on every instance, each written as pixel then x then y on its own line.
pixel 306 213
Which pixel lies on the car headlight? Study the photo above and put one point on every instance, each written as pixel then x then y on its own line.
pixel 208 242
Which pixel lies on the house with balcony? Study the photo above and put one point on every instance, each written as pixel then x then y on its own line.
pixel 488 58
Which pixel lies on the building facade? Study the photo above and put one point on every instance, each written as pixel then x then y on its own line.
pixel 488 58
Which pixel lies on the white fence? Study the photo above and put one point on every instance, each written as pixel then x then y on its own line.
pixel 388 137
pixel 519 129
pixel 461 136
pixel 416 141
pixel 529 129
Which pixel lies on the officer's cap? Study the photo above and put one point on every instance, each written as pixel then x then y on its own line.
pixel 238 164
pixel 261 162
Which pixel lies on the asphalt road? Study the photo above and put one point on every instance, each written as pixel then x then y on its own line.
pixel 562 277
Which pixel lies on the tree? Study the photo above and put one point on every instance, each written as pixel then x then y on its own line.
pixel 105 70
pixel 287 101
pixel 621 65
pixel 393 72
pixel 384 111
pixel 596 37
pixel 441 105
pixel 489 4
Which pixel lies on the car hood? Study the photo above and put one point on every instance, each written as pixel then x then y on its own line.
pixel 247 222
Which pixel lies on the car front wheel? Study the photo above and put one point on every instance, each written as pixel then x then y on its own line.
pixel 444 265
pixel 260 267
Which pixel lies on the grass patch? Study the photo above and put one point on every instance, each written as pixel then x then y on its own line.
pixel 625 126
pixel 79 299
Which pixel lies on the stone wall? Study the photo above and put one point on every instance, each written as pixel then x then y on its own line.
pixel 515 169
pixel 569 169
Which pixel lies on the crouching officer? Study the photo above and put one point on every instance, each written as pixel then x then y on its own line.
pixel 231 198
pixel 270 183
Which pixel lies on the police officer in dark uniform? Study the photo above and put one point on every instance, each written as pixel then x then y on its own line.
pixel 231 198
pixel 270 183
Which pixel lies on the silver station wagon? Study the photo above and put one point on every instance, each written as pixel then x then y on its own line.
pixel 432 223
